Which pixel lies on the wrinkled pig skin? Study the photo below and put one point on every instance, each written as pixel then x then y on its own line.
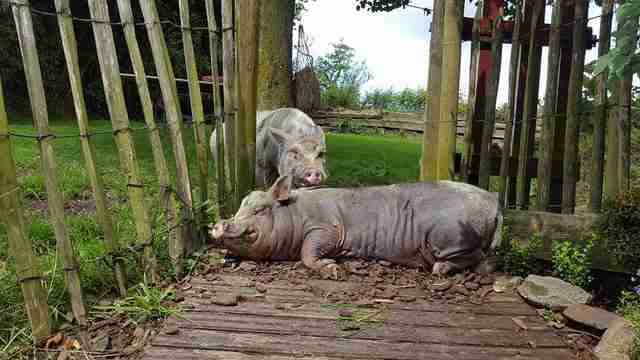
pixel 440 226
pixel 288 142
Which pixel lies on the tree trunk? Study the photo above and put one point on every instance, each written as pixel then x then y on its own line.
pixel 600 119
pixel 571 141
pixel 471 104
pixel 547 141
pixel 274 59
pixel 432 104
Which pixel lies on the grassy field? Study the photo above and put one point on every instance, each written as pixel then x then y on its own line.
pixel 353 160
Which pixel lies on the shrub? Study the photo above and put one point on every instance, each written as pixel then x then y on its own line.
pixel 516 259
pixel 618 228
pixel 629 308
pixel 571 262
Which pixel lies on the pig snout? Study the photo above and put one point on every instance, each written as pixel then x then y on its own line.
pixel 313 177
pixel 218 230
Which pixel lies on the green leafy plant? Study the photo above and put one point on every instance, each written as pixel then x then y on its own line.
pixel 149 303
pixel 518 259
pixel 572 261
pixel 629 308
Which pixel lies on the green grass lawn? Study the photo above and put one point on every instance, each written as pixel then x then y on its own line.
pixel 352 159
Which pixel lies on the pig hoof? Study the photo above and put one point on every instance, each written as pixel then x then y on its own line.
pixel 330 271
pixel 441 268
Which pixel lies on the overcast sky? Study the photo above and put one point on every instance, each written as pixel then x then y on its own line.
pixel 395 45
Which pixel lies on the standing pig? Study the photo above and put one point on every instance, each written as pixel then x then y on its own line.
pixel 441 226
pixel 288 142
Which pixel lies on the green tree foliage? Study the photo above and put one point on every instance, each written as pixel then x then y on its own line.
pixel 341 76
pixel 624 56
pixel 407 100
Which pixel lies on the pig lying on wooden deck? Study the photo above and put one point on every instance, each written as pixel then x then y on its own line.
pixel 288 142
pixel 440 226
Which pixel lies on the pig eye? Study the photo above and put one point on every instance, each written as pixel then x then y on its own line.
pixel 259 210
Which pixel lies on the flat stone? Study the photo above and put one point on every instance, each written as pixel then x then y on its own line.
pixel 472 286
pixel 486 280
pixel 506 283
pixel 225 300
pixel 594 317
pixel 442 285
pixel 171 330
pixel 552 292
pixel 616 342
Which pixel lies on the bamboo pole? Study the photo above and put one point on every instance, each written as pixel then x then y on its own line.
pixel 197 111
pixel 428 163
pixel 507 147
pixel 490 105
pixel 229 108
pixel 451 41
pixel 174 120
pixel 112 83
pixel 247 48
pixel 571 141
pixel 547 140
pixel 26 37
pixel 160 162
pixel 217 105
pixel 20 246
pixel 70 47
pixel 473 73
pixel 530 106
pixel 600 117
pixel 624 118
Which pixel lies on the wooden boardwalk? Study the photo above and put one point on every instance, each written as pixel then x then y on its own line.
pixel 285 321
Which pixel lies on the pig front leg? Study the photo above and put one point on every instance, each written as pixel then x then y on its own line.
pixel 319 243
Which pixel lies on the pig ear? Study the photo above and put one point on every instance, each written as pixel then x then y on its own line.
pixel 279 135
pixel 281 188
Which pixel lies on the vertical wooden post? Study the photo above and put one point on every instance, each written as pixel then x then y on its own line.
pixel 20 246
pixel 451 41
pixel 507 148
pixel 473 72
pixel 624 116
pixel 527 136
pixel 600 116
pixel 428 163
pixel 571 141
pixel 217 105
pixel 197 112
pixel 612 147
pixel 547 140
pixel 229 109
pixel 174 121
pixel 70 47
pixel 26 37
pixel 159 159
pixel 112 83
pixel 490 105
pixel 247 48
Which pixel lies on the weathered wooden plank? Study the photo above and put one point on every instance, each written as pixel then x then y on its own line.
pixel 70 48
pixel 294 345
pixel 398 317
pixel 35 87
pixel 600 116
pixel 164 69
pixel 161 353
pixel 547 143
pixel 110 70
pixel 530 104
pixel 247 59
pixel 197 111
pixel 571 141
pixel 450 335
pixel 490 104
pixel 230 101
pixel 159 159
pixel 221 177
pixel 20 246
